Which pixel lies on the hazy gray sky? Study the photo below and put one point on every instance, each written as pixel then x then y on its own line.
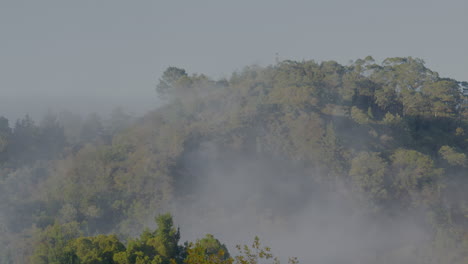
pixel 91 55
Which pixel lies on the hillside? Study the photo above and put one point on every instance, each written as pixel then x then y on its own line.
pixel 377 151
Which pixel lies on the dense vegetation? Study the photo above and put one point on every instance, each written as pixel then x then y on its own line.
pixel 393 134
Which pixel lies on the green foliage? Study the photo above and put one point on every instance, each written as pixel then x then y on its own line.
pixel 444 97
pixel 169 79
pixel 158 247
pixel 359 116
pixel 452 156
pixel 53 244
pixel 207 250
pixel 377 128
pixel 5 137
pixel 412 172
pixel 96 250
pixel 391 120
pixel 256 254
pixel 62 244
pixel 166 238
pixel 369 172
pixel 212 246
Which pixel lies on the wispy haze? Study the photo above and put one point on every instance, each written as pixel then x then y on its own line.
pixel 94 55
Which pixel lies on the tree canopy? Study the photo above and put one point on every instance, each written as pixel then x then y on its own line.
pixel 390 137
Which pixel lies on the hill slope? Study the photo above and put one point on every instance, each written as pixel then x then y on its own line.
pixel 383 143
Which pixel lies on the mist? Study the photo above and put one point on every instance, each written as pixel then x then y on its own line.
pixel 236 197
pixel 16 106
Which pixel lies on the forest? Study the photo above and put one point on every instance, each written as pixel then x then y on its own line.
pixel 330 163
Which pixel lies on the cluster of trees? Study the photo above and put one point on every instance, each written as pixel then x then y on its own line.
pixel 394 133
pixel 63 244
pixel 30 156
pixel 27 142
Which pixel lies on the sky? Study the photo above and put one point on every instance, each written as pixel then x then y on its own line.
pixel 94 55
